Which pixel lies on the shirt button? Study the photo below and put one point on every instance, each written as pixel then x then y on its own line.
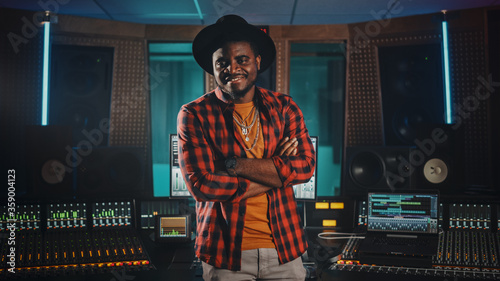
pixel 205 233
pixel 242 214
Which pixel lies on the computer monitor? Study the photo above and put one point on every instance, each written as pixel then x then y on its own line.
pixel 415 212
pixel 178 188
pixel 307 191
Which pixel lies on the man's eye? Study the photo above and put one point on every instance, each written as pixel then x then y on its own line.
pixel 221 64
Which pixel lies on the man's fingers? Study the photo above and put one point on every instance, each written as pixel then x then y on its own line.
pixel 283 141
pixel 280 149
pixel 291 149
pixel 287 148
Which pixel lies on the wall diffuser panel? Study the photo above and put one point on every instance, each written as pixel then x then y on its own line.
pixel 129 91
pixel 468 74
pixel 363 119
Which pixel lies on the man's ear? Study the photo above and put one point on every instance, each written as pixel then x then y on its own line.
pixel 258 59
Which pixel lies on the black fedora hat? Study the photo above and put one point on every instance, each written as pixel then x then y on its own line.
pixel 211 37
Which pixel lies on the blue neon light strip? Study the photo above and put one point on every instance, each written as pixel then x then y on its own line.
pixel 45 82
pixel 200 14
pixel 447 89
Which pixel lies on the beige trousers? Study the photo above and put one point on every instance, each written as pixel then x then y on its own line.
pixel 258 264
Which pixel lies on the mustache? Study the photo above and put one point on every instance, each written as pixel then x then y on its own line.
pixel 234 76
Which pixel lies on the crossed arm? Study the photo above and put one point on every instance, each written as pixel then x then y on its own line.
pixel 207 180
pixel 262 172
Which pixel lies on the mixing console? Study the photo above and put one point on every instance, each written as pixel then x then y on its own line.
pixel 59 241
pixel 468 247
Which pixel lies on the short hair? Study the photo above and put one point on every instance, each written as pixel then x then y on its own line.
pixel 238 37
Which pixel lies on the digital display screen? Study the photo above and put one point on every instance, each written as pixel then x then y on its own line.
pixel 307 191
pixel 403 212
pixel 173 228
pixel 177 185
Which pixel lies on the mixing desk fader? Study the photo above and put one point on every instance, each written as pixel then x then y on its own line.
pixel 70 238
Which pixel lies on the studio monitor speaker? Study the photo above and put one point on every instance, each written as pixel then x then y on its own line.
pixel 48 161
pixel 80 89
pixel 376 168
pixel 438 158
pixel 412 90
pixel 117 172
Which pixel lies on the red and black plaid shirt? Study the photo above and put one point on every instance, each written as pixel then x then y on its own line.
pixel 206 134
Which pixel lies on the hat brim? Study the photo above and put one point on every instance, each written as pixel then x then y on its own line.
pixel 209 40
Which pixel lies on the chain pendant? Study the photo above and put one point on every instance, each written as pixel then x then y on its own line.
pixel 244 131
pixel 247 139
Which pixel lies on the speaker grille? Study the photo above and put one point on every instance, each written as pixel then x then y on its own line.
pixel 384 168
pixel 366 169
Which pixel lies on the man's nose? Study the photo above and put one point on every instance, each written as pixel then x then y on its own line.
pixel 234 67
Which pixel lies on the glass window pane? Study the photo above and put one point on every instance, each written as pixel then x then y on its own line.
pixel 317 84
pixel 175 79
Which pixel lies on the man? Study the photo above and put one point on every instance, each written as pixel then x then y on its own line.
pixel 242 148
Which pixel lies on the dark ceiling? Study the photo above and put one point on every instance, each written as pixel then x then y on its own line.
pixel 262 12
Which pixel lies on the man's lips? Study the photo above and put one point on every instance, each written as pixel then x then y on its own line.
pixel 235 79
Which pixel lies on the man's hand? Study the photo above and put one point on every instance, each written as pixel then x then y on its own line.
pixel 261 172
pixel 287 147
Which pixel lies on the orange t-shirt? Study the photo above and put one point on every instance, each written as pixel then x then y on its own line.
pixel 256 233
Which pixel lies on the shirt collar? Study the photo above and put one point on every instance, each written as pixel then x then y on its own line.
pixel 220 95
pixel 228 103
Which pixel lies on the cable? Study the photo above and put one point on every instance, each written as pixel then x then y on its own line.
pixel 333 235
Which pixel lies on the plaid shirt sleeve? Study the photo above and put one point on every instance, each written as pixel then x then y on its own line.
pixel 300 168
pixel 197 159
